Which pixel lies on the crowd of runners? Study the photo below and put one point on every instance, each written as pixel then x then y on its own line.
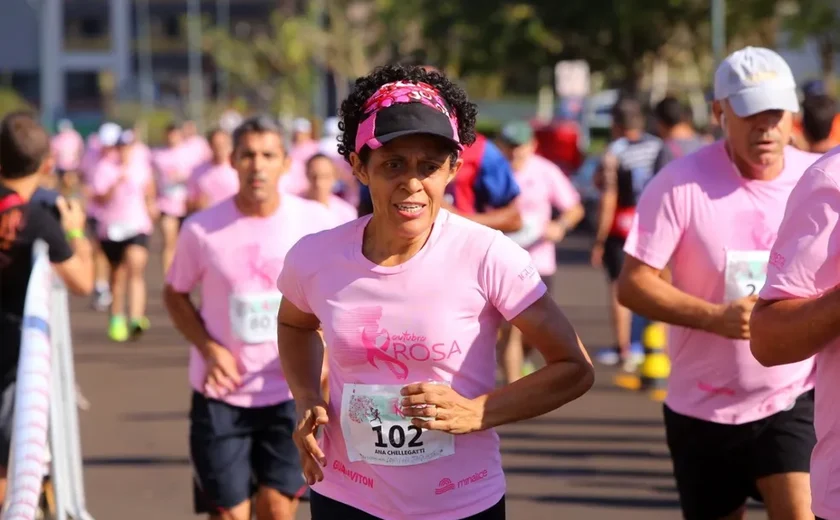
pixel 350 299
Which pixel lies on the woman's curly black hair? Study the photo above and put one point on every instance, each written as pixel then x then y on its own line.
pixel 351 112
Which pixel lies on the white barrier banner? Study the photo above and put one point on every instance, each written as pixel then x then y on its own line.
pixel 29 452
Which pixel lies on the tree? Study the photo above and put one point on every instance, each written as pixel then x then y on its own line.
pixel 817 20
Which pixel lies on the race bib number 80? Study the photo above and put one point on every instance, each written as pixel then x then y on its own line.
pixel 376 432
pixel 745 274
pixel 253 316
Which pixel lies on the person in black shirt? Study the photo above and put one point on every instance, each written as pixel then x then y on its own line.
pixel 24 161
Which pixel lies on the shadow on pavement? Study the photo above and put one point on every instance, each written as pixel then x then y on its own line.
pixel 612 502
pixel 175 415
pixel 137 461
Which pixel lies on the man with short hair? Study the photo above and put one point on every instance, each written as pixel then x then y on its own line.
pixel 242 415
pixel 735 429
pixel 673 122
pixel 626 167
pixel 25 159
pixel 818 116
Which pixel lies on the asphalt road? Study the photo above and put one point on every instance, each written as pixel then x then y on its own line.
pixel 600 458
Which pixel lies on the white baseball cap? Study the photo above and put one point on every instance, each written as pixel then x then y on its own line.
pixel 109 134
pixel 302 125
pixel 755 79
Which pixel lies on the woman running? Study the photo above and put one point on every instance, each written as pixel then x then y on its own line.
pixel 124 186
pixel 410 299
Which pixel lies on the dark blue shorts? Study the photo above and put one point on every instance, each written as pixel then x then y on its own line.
pixel 236 450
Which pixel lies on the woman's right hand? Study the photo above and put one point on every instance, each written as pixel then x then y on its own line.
pixel 312 458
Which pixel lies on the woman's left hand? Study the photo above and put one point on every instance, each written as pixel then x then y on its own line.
pixel 448 410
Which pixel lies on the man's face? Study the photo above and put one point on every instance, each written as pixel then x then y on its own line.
pixel 260 160
pixel 758 139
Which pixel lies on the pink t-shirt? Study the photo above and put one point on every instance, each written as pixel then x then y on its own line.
pixel 543 185
pixel 215 182
pixel 804 263
pixel 342 210
pixel 294 181
pixel 434 317
pixel 236 260
pixel 715 229
pixel 173 166
pixel 67 148
pixel 125 215
pixel 304 151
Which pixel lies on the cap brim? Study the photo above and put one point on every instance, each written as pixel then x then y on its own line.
pixel 751 102
pixel 394 135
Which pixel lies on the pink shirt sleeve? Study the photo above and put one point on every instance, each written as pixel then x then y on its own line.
pixel 561 192
pixel 188 263
pixel 289 281
pixel 804 258
pixel 659 223
pixel 509 278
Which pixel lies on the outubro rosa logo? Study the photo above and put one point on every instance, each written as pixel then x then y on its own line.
pixel 381 349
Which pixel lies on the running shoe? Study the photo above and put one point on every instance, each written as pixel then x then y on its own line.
pixel 608 356
pixel 139 326
pixel 101 300
pixel 118 329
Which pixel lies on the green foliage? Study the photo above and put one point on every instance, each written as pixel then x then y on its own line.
pixel 11 101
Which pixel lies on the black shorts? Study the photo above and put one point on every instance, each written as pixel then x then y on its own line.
pixel 114 251
pixel 716 465
pixel 180 219
pixel 613 256
pixel 323 508
pixel 91 225
pixel 235 450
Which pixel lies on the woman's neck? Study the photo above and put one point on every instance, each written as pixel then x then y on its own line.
pixel 390 251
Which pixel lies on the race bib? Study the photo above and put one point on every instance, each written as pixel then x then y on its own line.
pixel 176 191
pixel 253 316
pixel 745 273
pixel 121 231
pixel 530 233
pixel 376 432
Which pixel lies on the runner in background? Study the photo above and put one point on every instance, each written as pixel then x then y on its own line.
pixel 675 128
pixel 322 174
pixel 24 158
pixel 818 116
pixel 101 146
pixel 67 149
pixel 796 316
pixel 172 165
pixel 810 90
pixel 347 187
pixel 124 185
pixel 410 300
pixel 734 428
pixel 242 415
pixel 544 187
pixel 215 180
pixel 304 145
pixel 626 167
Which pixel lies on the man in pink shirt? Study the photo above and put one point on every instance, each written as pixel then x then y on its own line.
pixel 215 180
pixel 544 187
pixel 67 148
pixel 796 316
pixel 242 414
pixel 735 429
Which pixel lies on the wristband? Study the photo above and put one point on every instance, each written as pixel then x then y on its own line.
pixel 75 233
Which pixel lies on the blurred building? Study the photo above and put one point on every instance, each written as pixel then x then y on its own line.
pixel 89 48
